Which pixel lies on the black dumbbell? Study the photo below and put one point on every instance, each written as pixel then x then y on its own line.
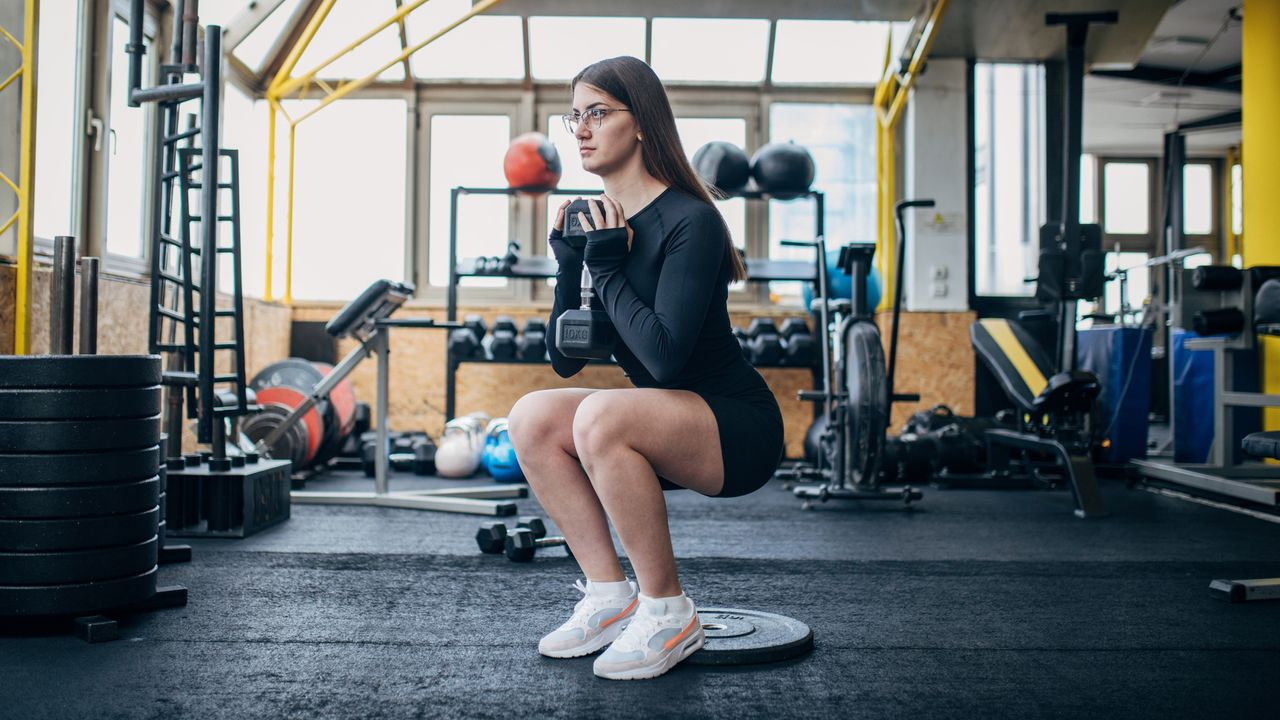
pixel 765 343
pixel 532 345
pixel 424 457
pixel 582 332
pixel 502 341
pixel 463 344
pixel 797 342
pixel 477 325
pixel 492 536
pixel 521 545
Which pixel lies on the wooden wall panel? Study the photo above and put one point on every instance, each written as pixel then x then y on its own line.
pixel 934 359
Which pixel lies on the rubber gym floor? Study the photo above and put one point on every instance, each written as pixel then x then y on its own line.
pixel 974 604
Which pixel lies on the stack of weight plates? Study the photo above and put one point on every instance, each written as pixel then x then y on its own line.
pixel 79 483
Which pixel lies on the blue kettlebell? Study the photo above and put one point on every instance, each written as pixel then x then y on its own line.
pixel 499 455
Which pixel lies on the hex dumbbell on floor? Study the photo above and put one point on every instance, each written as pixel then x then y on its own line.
pixel 797 342
pixel 492 536
pixel 765 343
pixel 521 545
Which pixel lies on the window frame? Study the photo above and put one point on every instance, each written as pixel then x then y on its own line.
pixel 1132 242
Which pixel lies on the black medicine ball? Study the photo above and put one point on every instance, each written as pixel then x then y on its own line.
pixel 723 165
pixel 783 169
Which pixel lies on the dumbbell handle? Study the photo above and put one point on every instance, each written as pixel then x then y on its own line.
pixel 587 288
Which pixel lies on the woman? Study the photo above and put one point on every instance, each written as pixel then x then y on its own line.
pixel 700 417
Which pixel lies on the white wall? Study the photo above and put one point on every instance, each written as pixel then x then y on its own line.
pixel 934 167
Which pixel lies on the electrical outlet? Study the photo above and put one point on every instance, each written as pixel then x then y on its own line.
pixel 938 272
pixel 939 289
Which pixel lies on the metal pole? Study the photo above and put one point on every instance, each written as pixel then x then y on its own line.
pixel 209 226
pixel 136 49
pixel 382 346
pixel 62 300
pixel 89 306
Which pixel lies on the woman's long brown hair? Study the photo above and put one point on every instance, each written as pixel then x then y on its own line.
pixel 634 84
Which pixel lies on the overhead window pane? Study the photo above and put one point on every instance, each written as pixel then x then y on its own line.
pixel 1126 206
pixel 346 22
pixel 349 198
pixel 830 51
pixel 1237 199
pixel 216 12
pixel 1088 189
pixel 55 122
pixel 467 150
pixel 1197 199
pixel 126 143
pixel 559 47
pixel 480 48
pixel 841 139
pixel 253 50
pixel 1008 162
pixel 710 50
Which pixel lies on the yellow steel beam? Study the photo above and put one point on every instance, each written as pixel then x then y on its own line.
pixel 25 187
pixel 295 53
pixel 273 107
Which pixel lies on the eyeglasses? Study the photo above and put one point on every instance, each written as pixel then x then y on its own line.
pixel 594 117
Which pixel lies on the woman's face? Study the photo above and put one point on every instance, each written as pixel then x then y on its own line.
pixel 606 148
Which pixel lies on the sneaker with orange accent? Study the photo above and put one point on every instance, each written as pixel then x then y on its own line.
pixel 654 642
pixel 596 621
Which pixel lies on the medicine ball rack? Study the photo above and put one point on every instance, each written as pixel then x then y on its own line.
pixel 539 268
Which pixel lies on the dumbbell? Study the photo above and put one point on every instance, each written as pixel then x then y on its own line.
pixel 463 344
pixel 765 344
pixel 492 536
pixel 502 341
pixel 797 342
pixel 477 325
pixel 532 345
pixel 424 457
pixel 521 545
pixel 585 333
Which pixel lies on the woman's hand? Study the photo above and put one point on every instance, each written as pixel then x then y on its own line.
pixel 612 217
pixel 565 254
pixel 559 224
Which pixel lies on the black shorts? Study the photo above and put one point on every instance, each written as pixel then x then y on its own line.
pixel 751 442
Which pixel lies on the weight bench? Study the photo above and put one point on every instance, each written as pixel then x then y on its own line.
pixel 367 320
pixel 1053 409
pixel 1261 445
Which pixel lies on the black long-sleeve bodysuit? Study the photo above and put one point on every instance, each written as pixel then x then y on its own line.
pixel 667 298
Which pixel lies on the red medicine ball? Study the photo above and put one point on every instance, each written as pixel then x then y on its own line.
pixel 532 163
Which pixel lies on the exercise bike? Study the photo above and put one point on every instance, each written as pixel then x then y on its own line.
pixel 857 401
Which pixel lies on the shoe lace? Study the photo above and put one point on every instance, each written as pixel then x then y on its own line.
pixel 637 633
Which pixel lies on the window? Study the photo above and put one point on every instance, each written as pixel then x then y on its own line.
pixel 254 48
pixel 1139 280
pixel 347 21
pixel 1197 199
pixel 841 139
pixel 1237 199
pixel 710 50
pixel 1088 189
pixel 468 150
pixel 481 48
pixel 126 146
pixel 812 52
pixel 56 110
pixel 561 46
pixel 244 122
pixel 1126 202
pixel 349 197
pixel 1008 166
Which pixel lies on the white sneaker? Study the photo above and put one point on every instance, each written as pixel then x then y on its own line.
pixel 596 621
pixel 652 643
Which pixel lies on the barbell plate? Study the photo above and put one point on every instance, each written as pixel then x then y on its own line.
pixel 27 470
pixel 75 501
pixel 20 535
pixel 77 599
pixel 867 386
pixel 79 371
pixel 742 637
pixel 63 436
pixel 78 566
pixel 75 404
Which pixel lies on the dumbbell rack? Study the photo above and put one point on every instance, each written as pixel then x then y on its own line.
pixel 542 267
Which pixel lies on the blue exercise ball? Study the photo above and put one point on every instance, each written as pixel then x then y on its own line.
pixel 841 285
pixel 499 455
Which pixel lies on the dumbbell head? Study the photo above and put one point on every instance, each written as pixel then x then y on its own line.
pixel 463 343
pixel 535 325
pixel 491 537
pixel 799 350
pixel 520 545
pixel 502 342
pixel 503 322
pixel 761 326
pixel 477 326
pixel 585 334
pixel 533 524
pixel 793 326
pixel 766 349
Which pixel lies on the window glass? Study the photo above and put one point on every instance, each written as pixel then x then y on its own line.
pixel 253 50
pixel 468 150
pixel 1126 205
pixel 832 51
pixel 126 144
pixel 244 123
pixel 482 47
pixel 56 138
pixel 841 139
pixel 561 46
pixel 1088 189
pixel 714 50
pixel 1197 199
pixel 1008 166
pixel 1139 280
pixel 349 198
pixel 347 21
pixel 1237 199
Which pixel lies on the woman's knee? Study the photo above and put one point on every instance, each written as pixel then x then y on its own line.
pixel 536 421
pixel 596 426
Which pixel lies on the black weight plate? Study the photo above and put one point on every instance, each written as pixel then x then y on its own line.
pixel 79 435
pixel 80 566
pixel 741 637
pixel 868 417
pixel 77 533
pixel 82 371
pixel 93 404
pixel 75 468
pixel 74 501
pixel 76 599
